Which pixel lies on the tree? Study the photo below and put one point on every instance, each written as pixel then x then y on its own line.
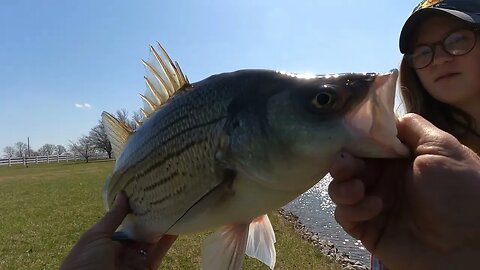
pixel 123 116
pixel 84 147
pixel 20 148
pixel 47 149
pixel 137 117
pixel 9 151
pixel 60 149
pixel 100 139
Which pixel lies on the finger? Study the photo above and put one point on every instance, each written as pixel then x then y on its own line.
pixel 411 127
pixel 114 217
pixel 156 254
pixel 414 131
pixel 345 166
pixel 348 216
pixel 346 192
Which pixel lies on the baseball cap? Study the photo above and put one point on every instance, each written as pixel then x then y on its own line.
pixel 466 10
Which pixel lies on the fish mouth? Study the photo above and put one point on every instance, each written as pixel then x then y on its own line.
pixel 373 123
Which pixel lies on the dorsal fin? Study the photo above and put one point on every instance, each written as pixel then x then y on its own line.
pixel 163 78
pixel 117 132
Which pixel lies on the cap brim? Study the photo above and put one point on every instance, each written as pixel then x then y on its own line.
pixel 413 21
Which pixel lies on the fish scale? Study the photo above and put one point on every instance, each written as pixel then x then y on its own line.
pixel 223 152
pixel 182 138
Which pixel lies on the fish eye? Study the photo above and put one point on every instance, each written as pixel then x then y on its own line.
pixel 323 99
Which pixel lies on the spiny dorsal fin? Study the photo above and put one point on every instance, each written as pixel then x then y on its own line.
pixel 117 132
pixel 163 78
pixel 152 104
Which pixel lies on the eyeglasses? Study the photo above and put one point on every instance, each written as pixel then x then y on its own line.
pixel 459 42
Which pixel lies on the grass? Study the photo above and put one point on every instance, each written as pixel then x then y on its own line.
pixel 45 208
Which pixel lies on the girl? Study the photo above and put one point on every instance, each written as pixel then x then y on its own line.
pixel 379 202
pixel 440 71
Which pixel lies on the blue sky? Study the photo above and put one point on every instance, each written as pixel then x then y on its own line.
pixel 64 62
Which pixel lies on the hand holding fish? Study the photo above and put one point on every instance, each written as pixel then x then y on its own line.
pixel 420 213
pixel 97 250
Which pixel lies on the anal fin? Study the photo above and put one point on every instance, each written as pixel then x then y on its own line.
pixel 225 248
pixel 261 241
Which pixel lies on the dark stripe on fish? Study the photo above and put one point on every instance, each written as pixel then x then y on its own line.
pixel 170 195
pixel 182 132
pixel 161 181
pixel 173 136
pixel 164 127
pixel 182 111
pixel 166 158
pixel 214 194
pixel 169 156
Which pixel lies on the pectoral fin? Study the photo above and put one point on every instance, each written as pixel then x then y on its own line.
pixel 261 241
pixel 225 249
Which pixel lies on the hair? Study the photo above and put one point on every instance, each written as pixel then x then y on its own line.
pixel 444 116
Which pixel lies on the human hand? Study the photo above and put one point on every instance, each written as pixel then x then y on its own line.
pixel 97 250
pixel 421 213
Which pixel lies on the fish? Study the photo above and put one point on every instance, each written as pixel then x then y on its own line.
pixel 221 153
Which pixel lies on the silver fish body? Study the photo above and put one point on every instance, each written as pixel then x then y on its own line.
pixel 235 146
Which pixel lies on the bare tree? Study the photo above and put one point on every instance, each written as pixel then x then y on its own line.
pixel 100 139
pixel 123 116
pixel 20 148
pixel 137 117
pixel 60 149
pixel 47 149
pixel 9 151
pixel 84 147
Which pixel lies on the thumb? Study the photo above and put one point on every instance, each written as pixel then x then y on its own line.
pixel 114 217
pixel 415 132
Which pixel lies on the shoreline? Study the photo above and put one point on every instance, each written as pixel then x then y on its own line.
pixel 327 248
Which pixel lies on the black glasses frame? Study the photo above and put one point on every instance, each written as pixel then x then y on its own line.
pixel 433 48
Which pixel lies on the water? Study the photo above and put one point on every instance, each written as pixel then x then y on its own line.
pixel 315 210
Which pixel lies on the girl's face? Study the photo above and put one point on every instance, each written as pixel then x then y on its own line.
pixel 454 80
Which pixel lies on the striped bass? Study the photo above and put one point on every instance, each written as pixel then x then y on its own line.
pixel 223 152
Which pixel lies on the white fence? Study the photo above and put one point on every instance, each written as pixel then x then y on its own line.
pixel 66 157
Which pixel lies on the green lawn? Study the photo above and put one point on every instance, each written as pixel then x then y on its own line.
pixel 46 207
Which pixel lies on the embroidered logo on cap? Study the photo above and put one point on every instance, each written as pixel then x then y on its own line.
pixel 426 4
